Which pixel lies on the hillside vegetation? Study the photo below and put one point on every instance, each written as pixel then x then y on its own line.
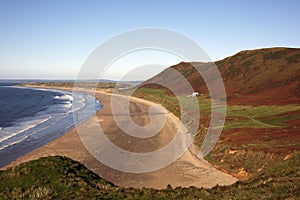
pixel 256 77
pixel 263 110
pixel 63 178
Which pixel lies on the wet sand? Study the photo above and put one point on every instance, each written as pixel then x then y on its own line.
pixel 186 171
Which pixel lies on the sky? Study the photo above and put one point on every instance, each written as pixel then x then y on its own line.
pixel 51 39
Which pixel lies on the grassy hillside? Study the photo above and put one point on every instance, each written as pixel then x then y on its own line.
pixel 63 178
pixel 260 71
pixel 257 77
pixel 263 112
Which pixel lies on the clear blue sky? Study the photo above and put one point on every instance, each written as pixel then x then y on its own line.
pixel 52 38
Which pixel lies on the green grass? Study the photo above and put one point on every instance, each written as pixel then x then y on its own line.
pixel 50 177
pixel 156 92
pixel 260 111
pixel 159 96
pixel 259 116
pixel 62 178
pixel 279 120
pixel 237 116
pixel 171 103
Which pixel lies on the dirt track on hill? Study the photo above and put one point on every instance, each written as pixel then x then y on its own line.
pixel 186 171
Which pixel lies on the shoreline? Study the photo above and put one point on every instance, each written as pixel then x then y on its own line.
pixel 48 115
pixel 185 172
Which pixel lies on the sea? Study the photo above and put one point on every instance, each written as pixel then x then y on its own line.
pixel 30 118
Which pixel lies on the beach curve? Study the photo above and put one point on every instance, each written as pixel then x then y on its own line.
pixel 187 171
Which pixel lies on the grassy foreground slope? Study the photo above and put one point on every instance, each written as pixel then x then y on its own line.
pixel 62 178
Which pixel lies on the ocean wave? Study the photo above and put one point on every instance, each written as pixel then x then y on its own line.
pixel 10 136
pixel 67 105
pixel 3 146
pixel 77 104
pixel 68 101
pixel 47 124
pixel 67 97
pixel 9 132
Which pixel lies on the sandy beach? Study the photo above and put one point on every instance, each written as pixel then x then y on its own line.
pixel 186 171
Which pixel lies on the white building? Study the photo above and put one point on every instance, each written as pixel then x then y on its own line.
pixel 195 94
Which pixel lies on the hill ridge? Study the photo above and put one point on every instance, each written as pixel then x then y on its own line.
pixel 262 72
